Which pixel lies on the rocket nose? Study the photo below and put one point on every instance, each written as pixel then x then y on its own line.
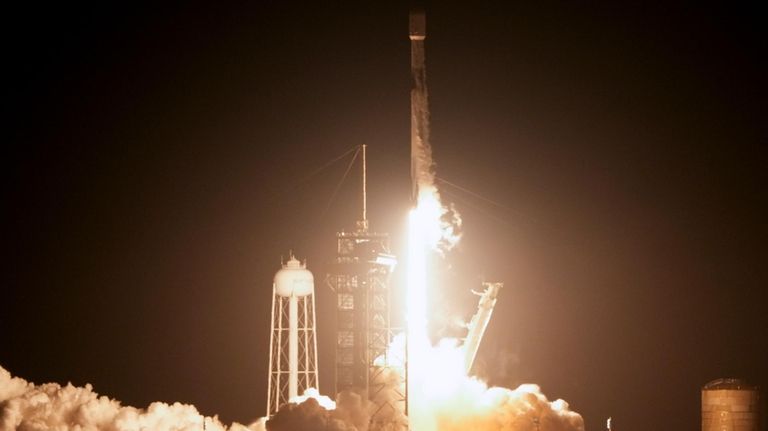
pixel 417 25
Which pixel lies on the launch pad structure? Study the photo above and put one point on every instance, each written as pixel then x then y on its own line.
pixel 359 277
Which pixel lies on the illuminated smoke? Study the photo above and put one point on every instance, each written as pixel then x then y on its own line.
pixel 25 406
pixel 350 412
pixel 309 415
pixel 454 402
pixel 323 400
pixel 441 223
pixel 479 408
pixel 453 405
pixel 449 400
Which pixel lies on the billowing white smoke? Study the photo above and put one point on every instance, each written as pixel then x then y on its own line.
pixel 25 406
pixel 455 405
pixel 522 409
pixel 467 404
pixel 452 401
pixel 461 402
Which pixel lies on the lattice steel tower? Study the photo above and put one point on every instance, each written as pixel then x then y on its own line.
pixel 360 278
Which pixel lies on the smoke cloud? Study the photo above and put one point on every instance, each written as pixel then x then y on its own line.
pixel 469 406
pixel 453 402
pixel 477 407
pixel 352 413
pixel 455 406
pixel 521 409
pixel 25 406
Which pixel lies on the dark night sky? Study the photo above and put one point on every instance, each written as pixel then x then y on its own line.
pixel 156 169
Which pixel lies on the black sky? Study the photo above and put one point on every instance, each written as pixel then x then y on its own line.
pixel 156 169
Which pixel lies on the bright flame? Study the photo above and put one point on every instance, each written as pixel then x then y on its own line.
pixel 416 302
pixel 440 393
pixel 432 371
pixel 416 297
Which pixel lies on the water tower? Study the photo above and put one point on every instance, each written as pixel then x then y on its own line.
pixel 293 341
pixel 729 405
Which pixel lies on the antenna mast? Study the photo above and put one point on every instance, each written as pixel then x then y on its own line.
pixel 365 194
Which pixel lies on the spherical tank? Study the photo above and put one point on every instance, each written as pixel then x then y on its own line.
pixel 294 279
pixel 729 405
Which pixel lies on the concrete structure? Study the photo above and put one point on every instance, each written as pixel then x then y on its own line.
pixel 293 341
pixel 729 405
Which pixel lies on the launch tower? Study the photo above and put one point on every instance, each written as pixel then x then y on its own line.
pixel 360 279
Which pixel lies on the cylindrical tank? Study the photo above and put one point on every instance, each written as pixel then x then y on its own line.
pixel 729 405
pixel 294 279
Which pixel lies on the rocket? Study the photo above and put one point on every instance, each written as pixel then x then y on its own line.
pixel 417 25
pixel 419 107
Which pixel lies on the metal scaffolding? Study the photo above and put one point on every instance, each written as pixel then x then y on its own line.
pixel 359 277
